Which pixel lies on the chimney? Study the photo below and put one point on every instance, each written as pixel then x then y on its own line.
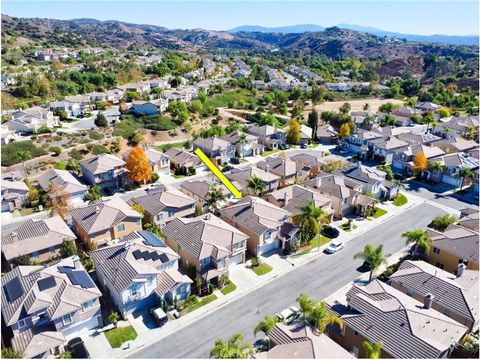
pixel 285 198
pixel 76 263
pixel 318 182
pixel 460 269
pixel 427 301
pixel 359 163
pixel 267 168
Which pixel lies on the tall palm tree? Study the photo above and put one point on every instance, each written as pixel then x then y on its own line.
pixel 242 140
pixel 214 196
pixel 374 256
pixel 420 238
pixel 309 220
pixel 321 317
pixel 305 304
pixel 234 348
pixel 24 155
pixel 465 173
pixel 436 166
pixel 256 185
pixel 399 185
pixel 372 351
pixel 265 325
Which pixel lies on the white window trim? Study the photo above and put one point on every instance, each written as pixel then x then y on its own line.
pixel 22 321
pixel 67 323
pixel 85 309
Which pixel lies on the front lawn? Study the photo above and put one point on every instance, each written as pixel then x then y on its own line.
pixel 301 253
pixel 116 337
pixel 400 200
pixel 346 228
pixel 203 301
pixel 179 176
pixel 323 240
pixel 227 289
pixel 262 269
pixel 270 152
pixel 379 212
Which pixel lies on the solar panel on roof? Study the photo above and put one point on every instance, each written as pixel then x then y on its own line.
pixel 13 289
pixel 163 258
pixel 137 254
pixel 81 278
pixel 46 283
pixel 151 239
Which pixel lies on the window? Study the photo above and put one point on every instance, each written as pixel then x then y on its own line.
pixel 150 281
pixel 88 305
pixel 22 323
pixel 447 312
pixel 35 255
pixel 356 332
pixel 439 265
pixel 267 235
pixel 171 213
pixel 193 206
pixel 159 217
pixel 121 227
pixel 436 250
pixel 52 250
pixel 134 293
pixel 67 319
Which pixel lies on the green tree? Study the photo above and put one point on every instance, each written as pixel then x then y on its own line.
pixel 470 344
pixel 293 133
pixel 243 140
pixel 214 196
pixel 66 355
pixel 321 316
pixel 309 220
pixel 101 120
pixel 68 248
pixel 372 351
pixel 114 317
pixel 313 122
pixel 345 108
pixel 305 304
pixel 234 348
pixel 420 238
pixel 436 167
pixel 374 256
pixel 465 173
pixel 21 260
pixel 440 223
pixel 94 193
pixel 265 325
pixel 9 353
pixel 256 185
pixel 23 156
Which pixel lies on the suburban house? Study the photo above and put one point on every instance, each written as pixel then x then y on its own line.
pixel 39 239
pixel 66 182
pixel 159 162
pixel 163 204
pixel 207 243
pixel 458 126
pixel 453 164
pixel 184 162
pixel 306 133
pixel 427 107
pixel 216 149
pixel 44 307
pixel 404 160
pixel 32 119
pixel 315 164
pixel 373 180
pixel 298 341
pixel 14 195
pixel 139 270
pixel 454 246
pixel 245 144
pixel 7 136
pixel 136 87
pixel 198 190
pixel 385 147
pixel 104 220
pixel 469 218
pixel 260 220
pixel 453 296
pixel 288 170
pixel 408 328
pixel 327 134
pixel 268 136
pixel 455 145
pixel 71 107
pixel 291 198
pixel 243 176
pixel 105 170
pixel 144 108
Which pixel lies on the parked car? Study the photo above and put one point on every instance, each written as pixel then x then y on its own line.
pixel 334 246
pixel 289 314
pixel 77 349
pixel 330 232
pixel 158 315
pixel 303 146
pixel 235 160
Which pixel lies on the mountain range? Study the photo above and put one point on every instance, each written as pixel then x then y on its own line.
pixel 298 29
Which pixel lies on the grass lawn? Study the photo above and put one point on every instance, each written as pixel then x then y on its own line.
pixel 227 289
pixel 243 161
pixel 344 227
pixel 262 269
pixel 379 212
pixel 204 301
pixel 323 241
pixel 270 152
pixel 223 100
pixel 400 200
pixel 116 337
pixel 125 128
pixel 301 253
pixel 179 176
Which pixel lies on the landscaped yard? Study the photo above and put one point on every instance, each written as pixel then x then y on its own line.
pixel 227 289
pixel 346 228
pixel 116 337
pixel 323 240
pixel 204 301
pixel 301 253
pixel 262 269
pixel 379 212
pixel 270 152
pixel 400 200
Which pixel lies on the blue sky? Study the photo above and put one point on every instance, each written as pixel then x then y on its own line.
pixel 407 16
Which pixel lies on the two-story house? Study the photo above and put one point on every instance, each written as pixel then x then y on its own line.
pixel 245 144
pixel 104 220
pixel 373 180
pixel 158 161
pixel 164 204
pixel 243 176
pixel 105 170
pixel 14 195
pixel 217 149
pixel 66 182
pixel 183 162
pixel 268 136
pixel 139 270
pixel 43 307
pixel 288 170
pixel 32 119
pixel 199 189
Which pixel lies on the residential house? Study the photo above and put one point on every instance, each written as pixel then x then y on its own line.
pixel 199 189
pixel 418 139
pixel 374 181
pixel 288 170
pixel 137 87
pixel 152 107
pixel 466 126
pixel 243 177
pixel 73 107
pixel 268 136
pixel 104 220
pixel 386 147
pixel 138 271
pixel 31 120
pixel 66 183
pixel 245 144
pixel 105 170
pixel 453 296
pixel 44 307
pixel 458 144
pixel 406 327
pixel 469 218
pixel 40 239
pixel 183 162
pixel 327 134
pixel 159 162
pixel 306 134
pixel 454 246
pixel 164 204
pixel 207 243
pixel 7 136
pixel 427 107
pixel 453 164
pixel 299 341
pixel 14 195
pixel 261 221
pixel 217 149
pixel 112 115
pixel 314 163
pixel 405 160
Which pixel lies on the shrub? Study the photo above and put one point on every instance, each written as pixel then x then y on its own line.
pixel 95 135
pixel 191 300
pixel 101 120
pixel 98 149
pixel 440 223
pixel 68 248
pixel 76 154
pixel 56 150
pixel 10 152
pixel 155 177
pixel 255 261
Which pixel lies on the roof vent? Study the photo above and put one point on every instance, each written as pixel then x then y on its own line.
pixel 207 216
pixel 427 301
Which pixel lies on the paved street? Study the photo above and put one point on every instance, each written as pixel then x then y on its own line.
pixel 319 277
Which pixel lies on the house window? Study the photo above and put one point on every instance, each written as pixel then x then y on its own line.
pixel 159 217
pixel 447 312
pixel 439 265
pixel 121 227
pixel 134 293
pixel 436 250
pixel 22 323
pixel 35 255
pixel 205 261
pixel 267 235
pixel 88 305
pixel 171 213
pixel 67 319
pixel 193 206
pixel 52 250
pixel 150 281
pixel 356 332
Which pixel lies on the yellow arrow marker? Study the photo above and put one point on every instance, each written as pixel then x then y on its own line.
pixel 216 171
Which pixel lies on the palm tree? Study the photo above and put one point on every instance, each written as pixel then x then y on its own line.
pixel 214 196
pixel 256 185
pixel 235 348
pixel 465 173
pixel 436 166
pixel 242 140
pixel 309 220
pixel 24 155
pixel 265 325
pixel 305 305
pixel 374 256
pixel 321 317
pixel 372 351
pixel 420 238
pixel 399 185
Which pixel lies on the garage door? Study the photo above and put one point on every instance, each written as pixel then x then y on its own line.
pixel 237 259
pixel 74 331
pixel 268 247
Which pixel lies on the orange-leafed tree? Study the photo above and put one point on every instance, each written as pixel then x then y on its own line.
pixel 138 166
pixel 420 162
pixel 59 200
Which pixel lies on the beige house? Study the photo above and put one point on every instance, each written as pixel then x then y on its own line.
pixel 243 176
pixel 105 220
pixel 287 169
pixel 65 181
pixel 198 190
pixel 158 161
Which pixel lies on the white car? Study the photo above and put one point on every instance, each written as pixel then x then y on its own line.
pixel 334 246
pixel 289 314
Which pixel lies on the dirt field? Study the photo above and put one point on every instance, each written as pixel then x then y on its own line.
pixel 357 105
